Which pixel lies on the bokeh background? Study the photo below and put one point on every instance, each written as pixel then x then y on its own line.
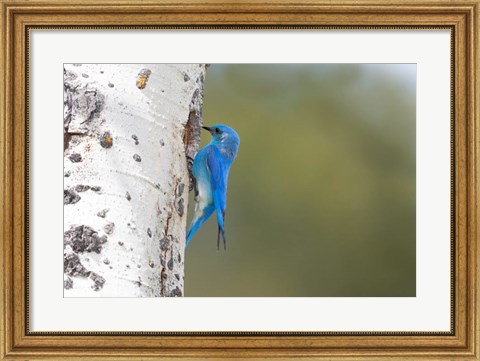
pixel 321 198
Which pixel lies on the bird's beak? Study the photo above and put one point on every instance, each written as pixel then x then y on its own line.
pixel 208 128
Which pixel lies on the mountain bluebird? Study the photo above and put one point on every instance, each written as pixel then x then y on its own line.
pixel 210 170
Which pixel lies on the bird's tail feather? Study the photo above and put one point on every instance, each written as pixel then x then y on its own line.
pixel 221 232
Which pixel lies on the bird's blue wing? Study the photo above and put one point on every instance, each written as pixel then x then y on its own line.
pixel 218 167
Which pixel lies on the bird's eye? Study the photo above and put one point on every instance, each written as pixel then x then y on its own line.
pixel 217 130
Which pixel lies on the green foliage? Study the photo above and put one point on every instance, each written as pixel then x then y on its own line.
pixel 321 198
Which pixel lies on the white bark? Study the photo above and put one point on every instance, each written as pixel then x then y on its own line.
pixel 128 128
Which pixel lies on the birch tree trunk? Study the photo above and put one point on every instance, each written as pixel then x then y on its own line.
pixel 128 129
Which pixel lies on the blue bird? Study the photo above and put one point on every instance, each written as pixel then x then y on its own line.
pixel 210 171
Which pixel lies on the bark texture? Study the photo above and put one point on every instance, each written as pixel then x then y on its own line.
pixel 129 132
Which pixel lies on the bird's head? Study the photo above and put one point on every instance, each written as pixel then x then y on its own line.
pixel 223 134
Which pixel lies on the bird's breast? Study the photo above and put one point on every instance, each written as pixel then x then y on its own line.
pixel 203 184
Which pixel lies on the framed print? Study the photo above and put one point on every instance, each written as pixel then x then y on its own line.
pixel 343 135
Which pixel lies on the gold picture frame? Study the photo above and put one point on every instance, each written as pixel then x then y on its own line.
pixel 19 17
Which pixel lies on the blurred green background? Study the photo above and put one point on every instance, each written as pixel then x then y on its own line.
pixel 321 197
